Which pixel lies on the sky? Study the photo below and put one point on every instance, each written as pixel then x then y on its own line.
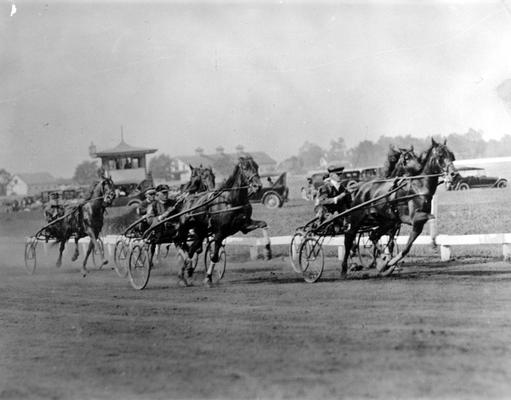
pixel 268 75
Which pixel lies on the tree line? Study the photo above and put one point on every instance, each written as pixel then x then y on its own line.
pixel 313 156
pixel 373 153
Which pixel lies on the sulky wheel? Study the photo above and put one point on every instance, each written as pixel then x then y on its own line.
pixel 139 269
pixel 98 253
pixel 386 248
pixel 219 271
pixel 30 255
pixel 294 248
pixel 121 257
pixel 363 254
pixel 311 259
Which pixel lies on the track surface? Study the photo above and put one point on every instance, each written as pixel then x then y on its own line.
pixel 436 330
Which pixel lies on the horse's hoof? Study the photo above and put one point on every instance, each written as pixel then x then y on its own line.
pixel 344 275
pixel 388 271
pixel 208 282
pixel 58 264
pixel 105 262
pixel 355 268
pixel 182 282
pixel 382 264
pixel 75 257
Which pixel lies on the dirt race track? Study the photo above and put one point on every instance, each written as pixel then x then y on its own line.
pixel 436 330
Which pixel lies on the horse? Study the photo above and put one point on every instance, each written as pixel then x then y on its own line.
pixel 220 214
pixel 416 192
pixel 84 220
pixel 398 160
pixel 202 179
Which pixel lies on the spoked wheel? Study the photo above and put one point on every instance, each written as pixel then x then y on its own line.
pixel 98 254
pixel 363 254
pixel 139 269
pixel 386 249
pixel 121 257
pixel 294 248
pixel 311 259
pixel 30 255
pixel 219 271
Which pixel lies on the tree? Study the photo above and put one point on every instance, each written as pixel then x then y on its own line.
pixel 160 167
pixel 367 153
pixel 86 172
pixel 337 150
pixel 291 164
pixel 310 155
pixel 5 178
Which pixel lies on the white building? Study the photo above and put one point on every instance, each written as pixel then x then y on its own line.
pixel 31 184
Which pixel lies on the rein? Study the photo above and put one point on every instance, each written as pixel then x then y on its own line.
pixel 361 205
pixel 217 192
pixel 406 177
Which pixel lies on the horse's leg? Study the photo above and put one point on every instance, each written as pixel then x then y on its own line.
pixel 77 252
pixel 416 231
pixel 349 238
pixel 61 250
pixel 152 250
pixel 90 248
pixel 214 259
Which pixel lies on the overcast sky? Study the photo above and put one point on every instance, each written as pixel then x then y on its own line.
pixel 267 75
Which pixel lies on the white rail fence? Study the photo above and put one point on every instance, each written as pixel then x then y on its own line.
pixel 446 243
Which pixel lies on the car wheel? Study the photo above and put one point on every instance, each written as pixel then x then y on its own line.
pixel 463 186
pixel 134 203
pixel 352 186
pixel 502 184
pixel 271 201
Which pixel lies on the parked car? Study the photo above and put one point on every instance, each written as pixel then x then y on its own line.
pixel 350 180
pixel 274 191
pixel 475 177
pixel 130 194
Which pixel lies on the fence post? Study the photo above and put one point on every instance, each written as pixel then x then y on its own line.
pixel 267 244
pixel 506 251
pixel 445 253
pixel 433 227
pixel 340 252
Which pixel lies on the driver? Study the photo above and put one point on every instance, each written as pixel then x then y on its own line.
pixel 333 198
pixel 150 194
pixel 55 208
pixel 160 204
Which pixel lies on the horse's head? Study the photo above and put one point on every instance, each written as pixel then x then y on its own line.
pixel 106 190
pixel 208 178
pixel 201 180
pixel 443 159
pixel 250 174
pixel 408 162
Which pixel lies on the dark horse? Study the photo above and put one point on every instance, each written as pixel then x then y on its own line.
pixel 222 213
pixel 401 162
pixel 414 209
pixel 84 220
pixel 202 179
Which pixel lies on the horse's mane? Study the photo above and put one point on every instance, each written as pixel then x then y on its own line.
pixel 391 161
pixel 229 182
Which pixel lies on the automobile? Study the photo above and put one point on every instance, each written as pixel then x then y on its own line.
pixel 274 192
pixel 350 180
pixel 475 177
pixel 314 181
pixel 130 194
